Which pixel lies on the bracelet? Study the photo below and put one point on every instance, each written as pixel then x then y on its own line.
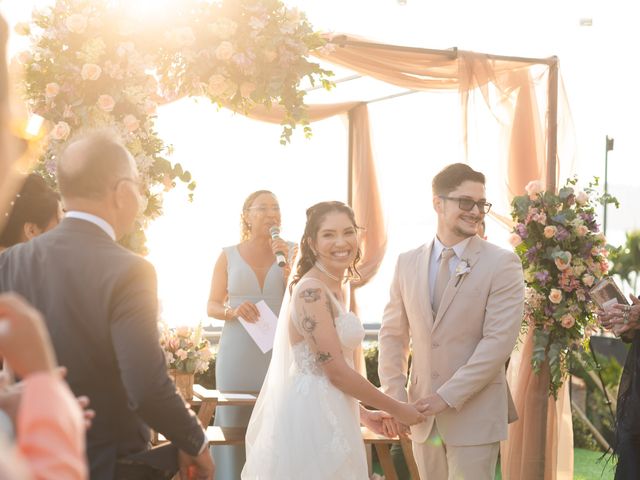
pixel 226 311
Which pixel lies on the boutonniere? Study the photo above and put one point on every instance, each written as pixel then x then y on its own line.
pixel 462 269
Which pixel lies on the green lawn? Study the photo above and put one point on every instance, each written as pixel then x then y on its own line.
pixel 587 465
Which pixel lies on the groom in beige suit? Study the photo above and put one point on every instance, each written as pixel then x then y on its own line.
pixel 456 305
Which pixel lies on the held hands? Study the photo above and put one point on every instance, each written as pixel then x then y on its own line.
pixel 373 420
pixel 621 318
pixel 412 413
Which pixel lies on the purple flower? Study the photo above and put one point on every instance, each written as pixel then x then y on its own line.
pixel 531 253
pixel 522 230
pixel 562 234
pixel 542 276
pixel 548 310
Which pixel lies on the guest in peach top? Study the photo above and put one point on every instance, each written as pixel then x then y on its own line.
pixel 47 418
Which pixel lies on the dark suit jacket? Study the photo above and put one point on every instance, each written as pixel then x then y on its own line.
pixel 100 305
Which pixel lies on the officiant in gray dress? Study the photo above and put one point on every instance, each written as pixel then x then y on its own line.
pixel 244 275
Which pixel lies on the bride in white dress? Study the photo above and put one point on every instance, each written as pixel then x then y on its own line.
pixel 306 423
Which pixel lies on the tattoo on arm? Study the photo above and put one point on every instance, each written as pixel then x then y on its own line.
pixel 310 295
pixel 323 358
pixel 309 324
pixel 329 306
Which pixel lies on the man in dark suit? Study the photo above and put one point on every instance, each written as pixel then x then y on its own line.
pixel 100 305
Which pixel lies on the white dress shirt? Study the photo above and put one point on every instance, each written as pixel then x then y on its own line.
pixel 100 222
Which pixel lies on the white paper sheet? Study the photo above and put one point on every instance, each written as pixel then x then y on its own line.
pixel 263 331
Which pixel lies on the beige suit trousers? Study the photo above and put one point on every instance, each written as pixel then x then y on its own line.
pixel 437 461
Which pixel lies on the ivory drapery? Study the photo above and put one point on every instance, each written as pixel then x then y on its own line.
pixel 509 88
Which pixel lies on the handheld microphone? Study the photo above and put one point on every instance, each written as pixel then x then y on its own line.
pixel 275 233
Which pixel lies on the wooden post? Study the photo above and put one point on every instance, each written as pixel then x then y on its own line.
pixel 552 126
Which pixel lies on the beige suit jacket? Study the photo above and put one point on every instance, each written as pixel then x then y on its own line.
pixel 461 353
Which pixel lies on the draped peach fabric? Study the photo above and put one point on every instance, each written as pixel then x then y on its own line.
pixel 541 440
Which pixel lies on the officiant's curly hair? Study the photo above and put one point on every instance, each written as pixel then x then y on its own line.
pixel 315 216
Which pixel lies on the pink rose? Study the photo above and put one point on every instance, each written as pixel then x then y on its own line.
pixel 61 131
pixel 582 198
pixel 51 90
pixel 217 85
pixel 555 296
pixel 131 123
pixel 76 23
pixel 24 57
pixel 224 51
pixel 106 103
pixel 515 240
pixel 22 28
pixel 533 188
pixel 150 107
pixel 181 354
pixel 581 230
pixel 183 331
pixel 588 279
pixel 90 71
pixel 567 320
pixel 550 231
pixel 562 260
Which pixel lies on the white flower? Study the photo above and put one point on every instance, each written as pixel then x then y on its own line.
pixel 533 188
pixel 131 123
pixel 76 23
pixel 106 103
pixel 223 28
pixel 90 71
pixel 582 198
pixel 463 267
pixel 22 28
pixel 51 90
pixel 61 131
pixel 224 51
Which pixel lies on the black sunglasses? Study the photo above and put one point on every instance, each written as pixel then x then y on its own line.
pixel 467 204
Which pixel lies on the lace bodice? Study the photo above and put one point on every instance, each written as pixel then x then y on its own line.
pixel 350 332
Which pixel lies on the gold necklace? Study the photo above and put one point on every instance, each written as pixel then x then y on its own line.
pixel 322 268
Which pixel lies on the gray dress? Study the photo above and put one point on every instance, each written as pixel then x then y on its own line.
pixel 240 364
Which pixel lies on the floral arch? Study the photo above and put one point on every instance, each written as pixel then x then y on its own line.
pixel 96 63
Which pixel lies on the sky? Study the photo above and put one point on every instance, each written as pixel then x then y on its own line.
pixel 413 136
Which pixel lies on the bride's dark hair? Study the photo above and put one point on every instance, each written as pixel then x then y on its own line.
pixel 315 216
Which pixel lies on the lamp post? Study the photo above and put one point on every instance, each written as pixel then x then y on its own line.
pixel 607 149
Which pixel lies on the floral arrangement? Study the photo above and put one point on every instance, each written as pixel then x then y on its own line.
pixel 563 254
pixel 93 63
pixel 185 349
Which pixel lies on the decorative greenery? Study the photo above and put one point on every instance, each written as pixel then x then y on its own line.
pixel 94 63
pixel 626 260
pixel 185 349
pixel 563 255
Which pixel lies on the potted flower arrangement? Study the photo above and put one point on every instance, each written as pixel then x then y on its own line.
pixel 186 353
pixel 563 254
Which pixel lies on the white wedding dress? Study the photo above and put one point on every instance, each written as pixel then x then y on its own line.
pixel 304 428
